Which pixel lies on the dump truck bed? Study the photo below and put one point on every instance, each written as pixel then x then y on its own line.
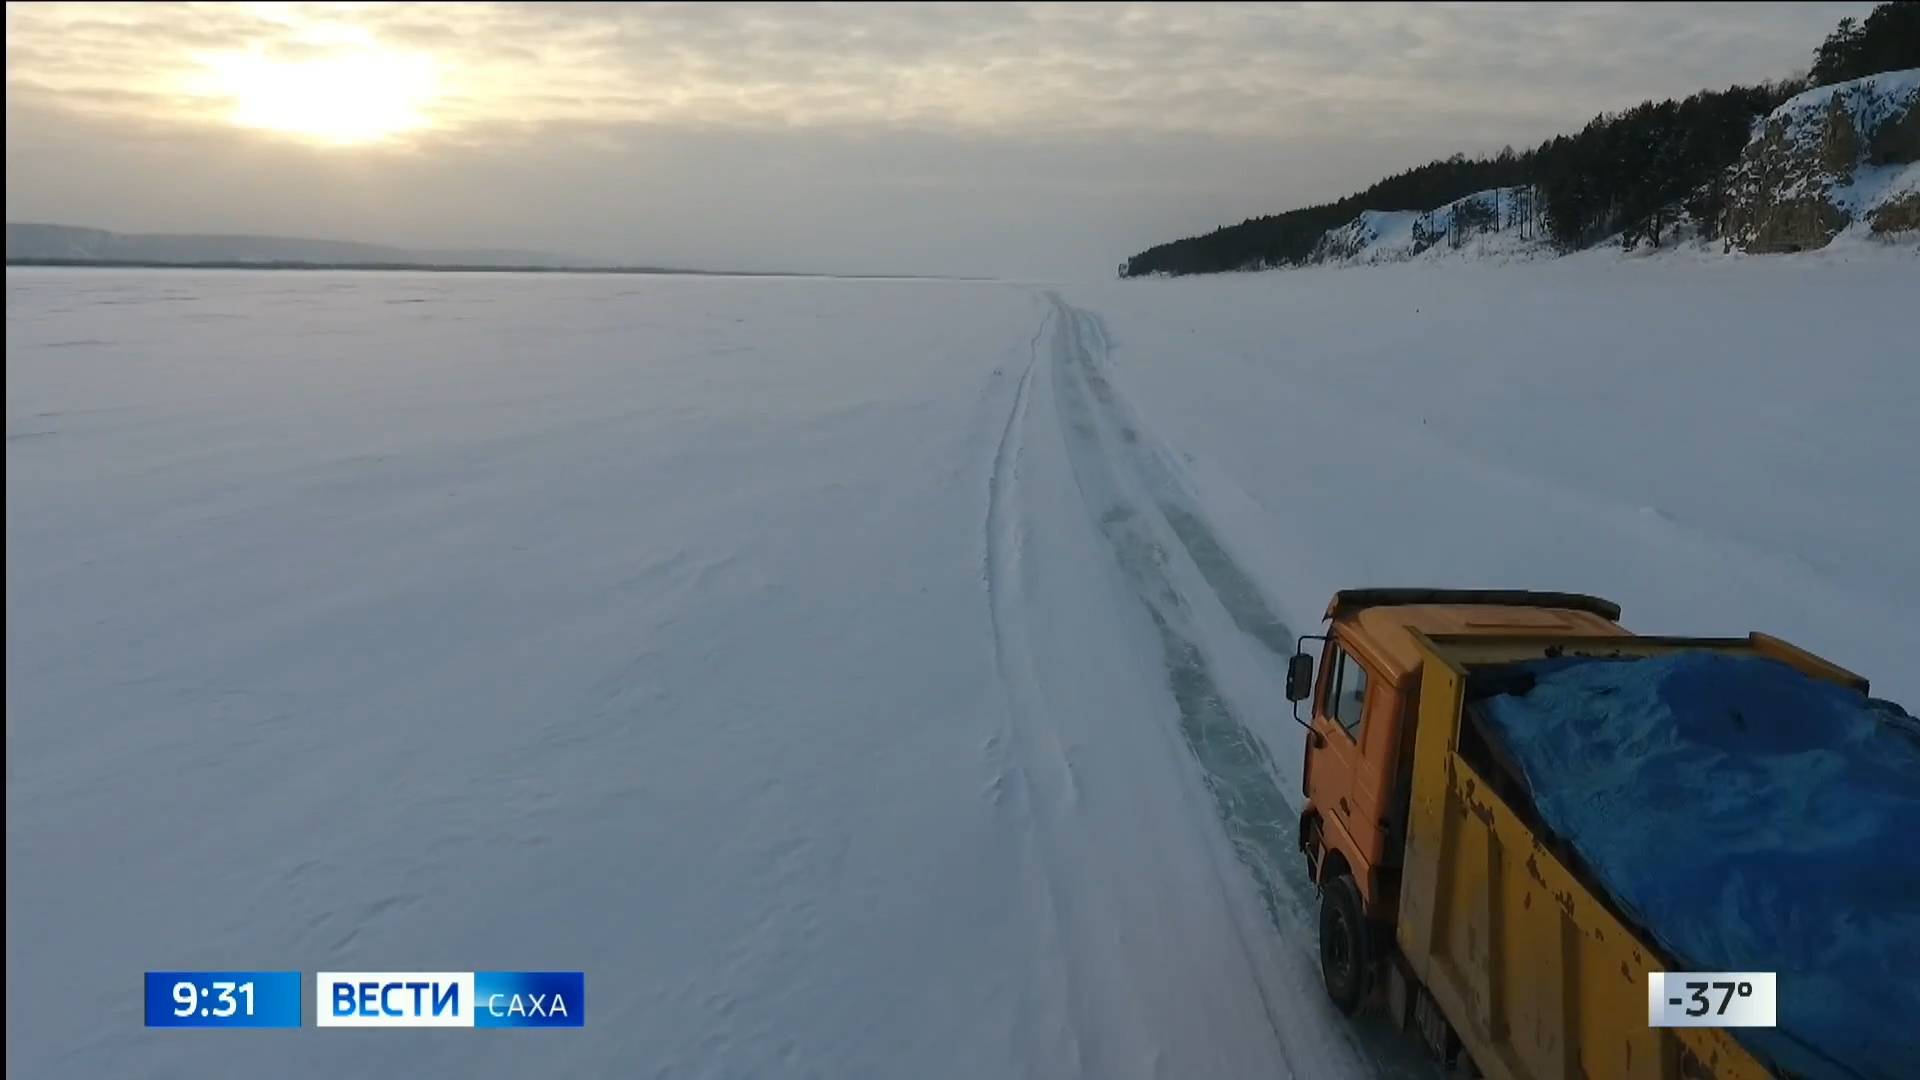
pixel 1539 973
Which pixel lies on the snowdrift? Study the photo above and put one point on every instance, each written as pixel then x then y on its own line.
pixel 1748 818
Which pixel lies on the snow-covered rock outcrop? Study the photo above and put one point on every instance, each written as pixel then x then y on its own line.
pixel 1498 221
pixel 1827 159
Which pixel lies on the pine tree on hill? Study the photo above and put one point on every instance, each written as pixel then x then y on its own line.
pixel 1888 40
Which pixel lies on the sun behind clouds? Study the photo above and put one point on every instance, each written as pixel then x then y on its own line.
pixel 362 94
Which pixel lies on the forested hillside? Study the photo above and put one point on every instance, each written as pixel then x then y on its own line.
pixel 1632 173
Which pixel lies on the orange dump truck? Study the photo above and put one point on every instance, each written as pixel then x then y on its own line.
pixel 1443 898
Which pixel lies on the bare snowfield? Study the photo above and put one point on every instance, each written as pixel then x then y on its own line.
pixel 854 678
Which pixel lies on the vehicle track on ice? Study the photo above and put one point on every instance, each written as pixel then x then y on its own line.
pixel 1160 539
pixel 1032 778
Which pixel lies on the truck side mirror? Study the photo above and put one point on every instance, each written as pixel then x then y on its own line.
pixel 1299 677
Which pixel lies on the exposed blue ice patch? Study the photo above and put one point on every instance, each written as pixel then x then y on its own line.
pixel 1748 818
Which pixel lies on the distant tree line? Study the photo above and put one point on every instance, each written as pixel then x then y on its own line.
pixel 1635 172
pixel 1289 238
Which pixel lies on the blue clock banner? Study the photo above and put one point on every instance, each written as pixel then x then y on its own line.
pixel 223 999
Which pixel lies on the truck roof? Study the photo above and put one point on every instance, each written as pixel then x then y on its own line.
pixel 1381 631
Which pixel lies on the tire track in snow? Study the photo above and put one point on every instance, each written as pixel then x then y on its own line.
pixel 1245 604
pixel 997 554
pixel 1260 821
pixel 1143 560
pixel 1259 818
pixel 1022 782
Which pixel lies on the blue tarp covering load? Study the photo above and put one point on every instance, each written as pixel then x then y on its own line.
pixel 1747 818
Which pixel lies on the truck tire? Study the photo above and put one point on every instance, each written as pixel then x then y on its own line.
pixel 1344 959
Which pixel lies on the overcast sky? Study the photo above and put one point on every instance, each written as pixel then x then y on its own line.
pixel 1015 140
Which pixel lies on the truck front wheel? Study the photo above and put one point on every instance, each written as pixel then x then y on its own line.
pixel 1343 943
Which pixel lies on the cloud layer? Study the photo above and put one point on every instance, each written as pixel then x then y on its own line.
pixel 945 113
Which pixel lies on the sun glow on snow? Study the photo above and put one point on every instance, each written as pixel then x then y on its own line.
pixel 360 95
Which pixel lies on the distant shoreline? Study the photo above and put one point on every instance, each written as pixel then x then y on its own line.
pixel 461 268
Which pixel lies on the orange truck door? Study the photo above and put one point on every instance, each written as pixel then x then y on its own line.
pixel 1334 772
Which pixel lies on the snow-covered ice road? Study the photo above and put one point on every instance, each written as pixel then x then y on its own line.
pixel 854 678
pixel 1165 559
pixel 773 651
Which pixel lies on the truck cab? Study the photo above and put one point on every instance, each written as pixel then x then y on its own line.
pixel 1365 697
pixel 1360 742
